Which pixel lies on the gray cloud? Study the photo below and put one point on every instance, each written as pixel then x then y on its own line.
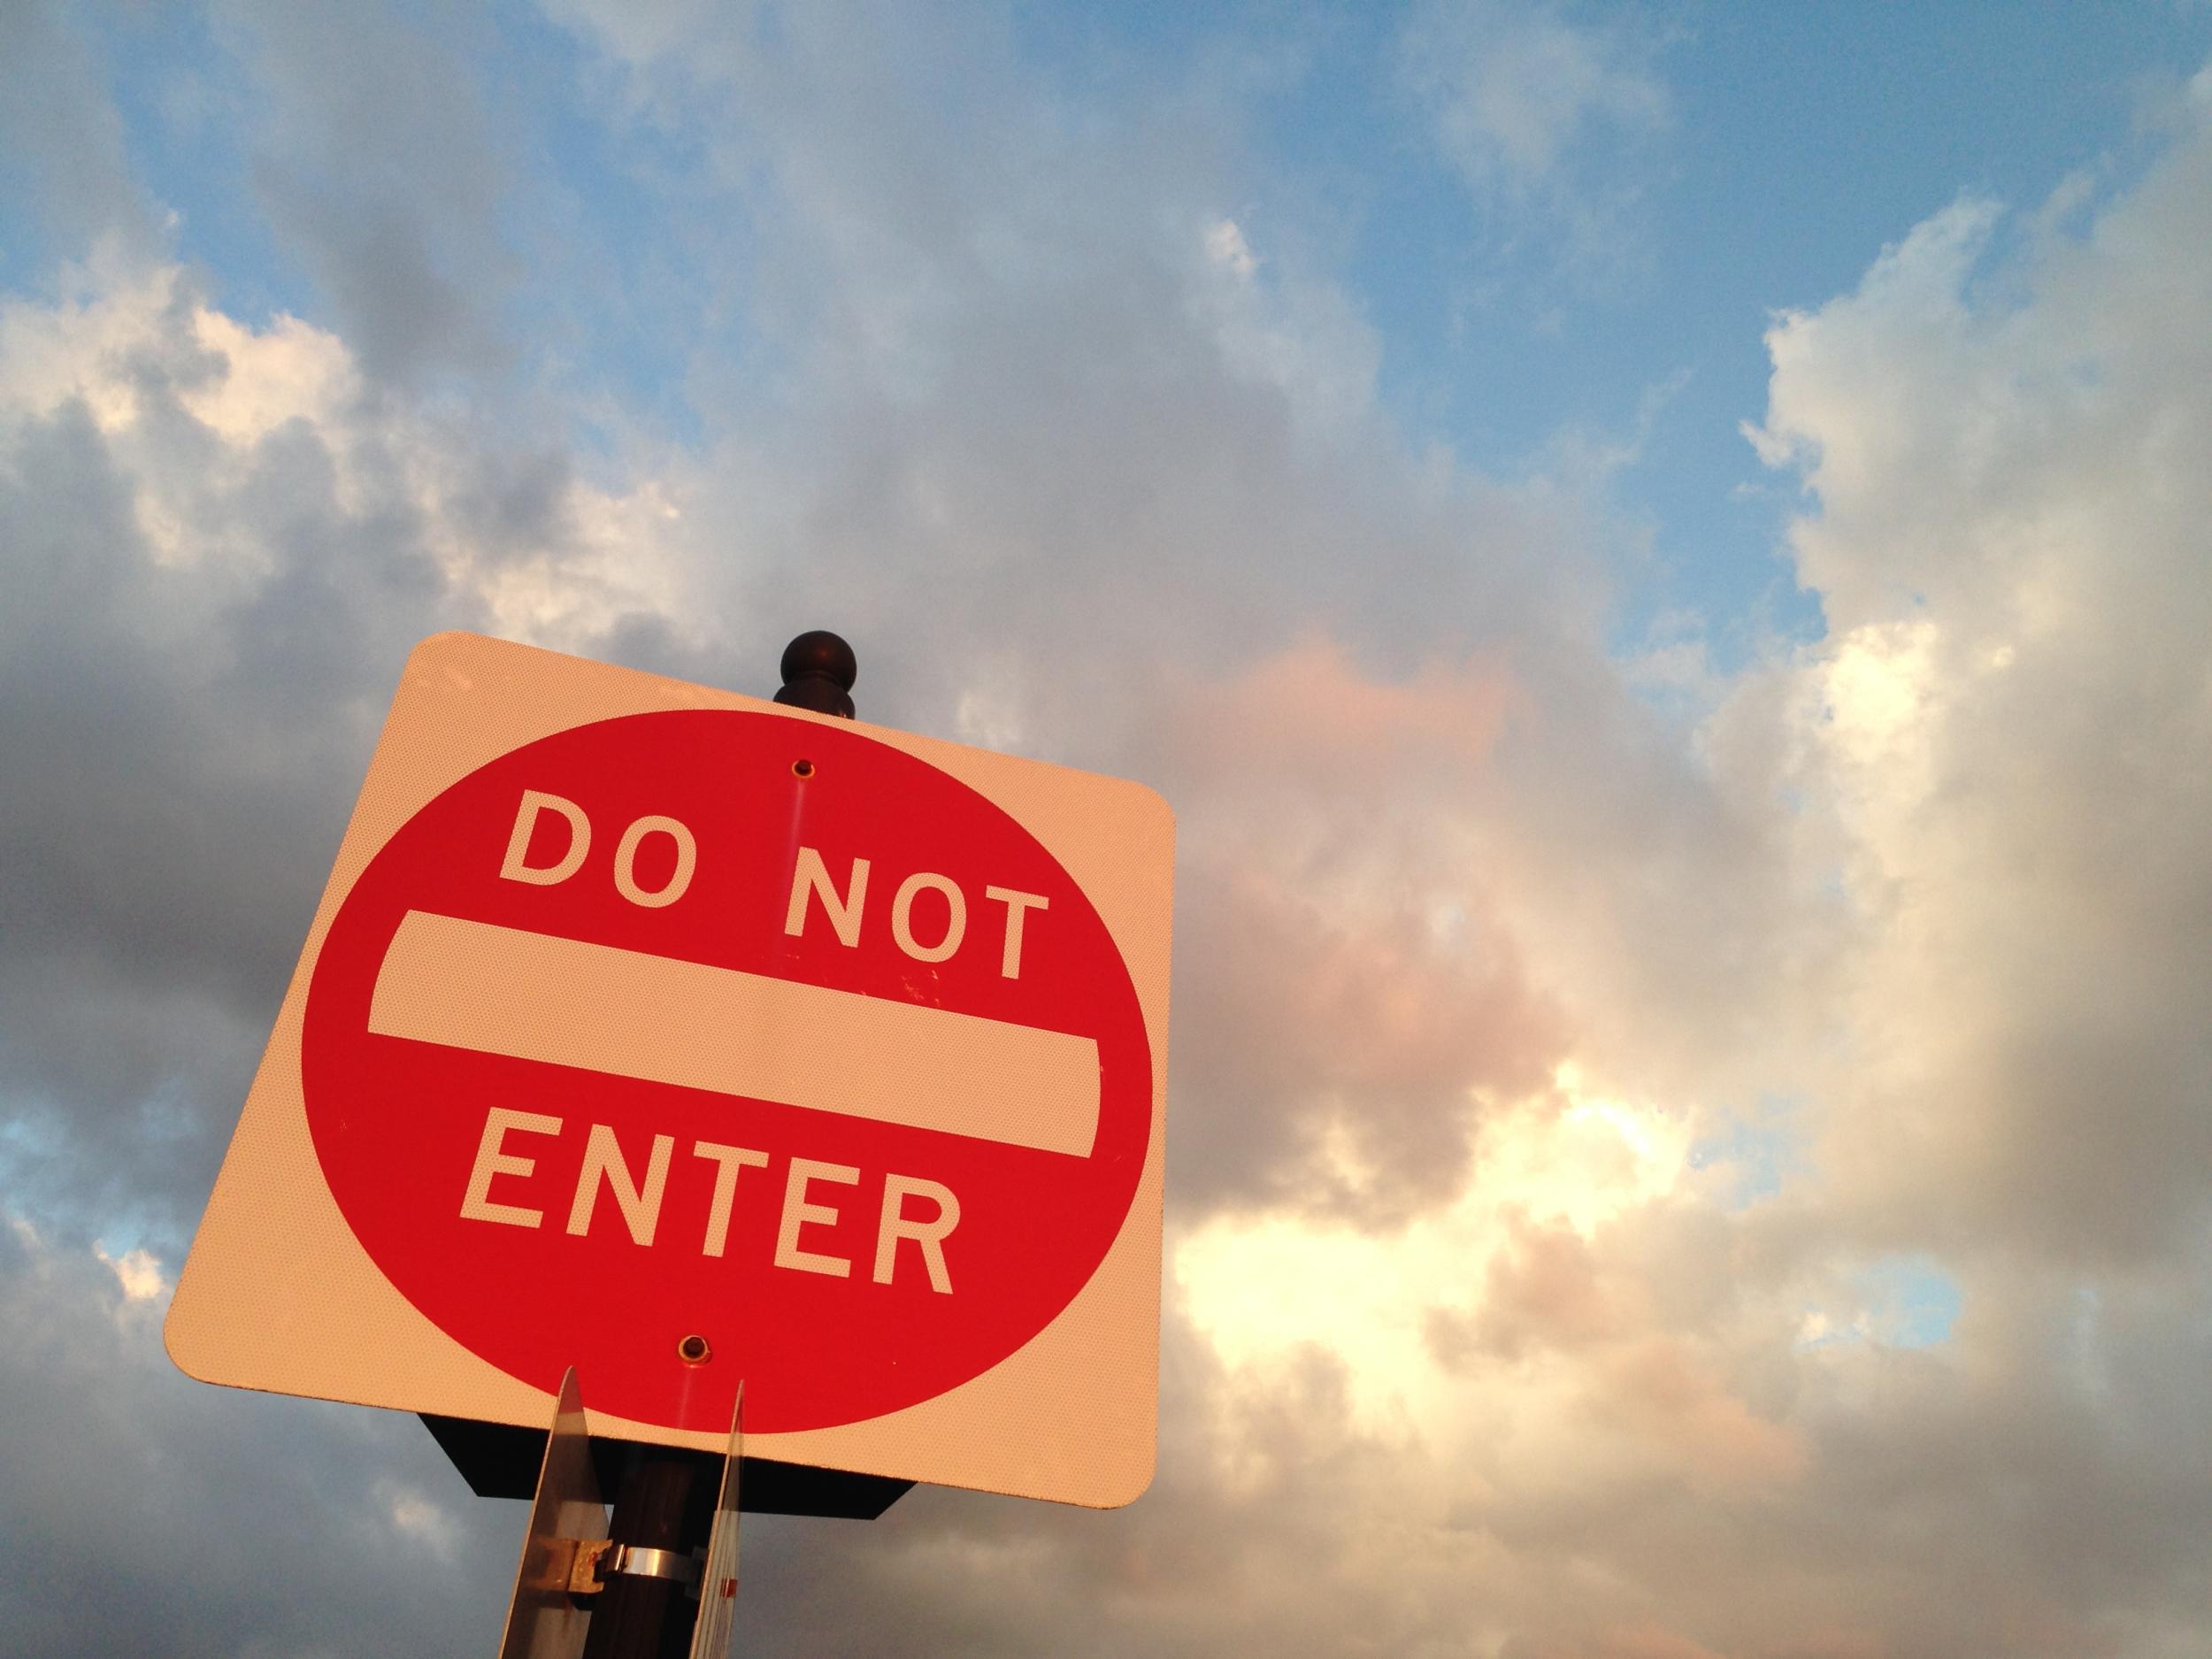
pixel 381 170
pixel 148 1516
pixel 61 140
pixel 188 720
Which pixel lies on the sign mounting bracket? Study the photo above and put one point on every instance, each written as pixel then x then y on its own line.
pixel 567 1557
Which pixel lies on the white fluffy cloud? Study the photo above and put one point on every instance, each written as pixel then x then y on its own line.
pixel 2000 742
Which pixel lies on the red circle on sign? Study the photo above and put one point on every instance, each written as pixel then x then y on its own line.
pixel 456 1150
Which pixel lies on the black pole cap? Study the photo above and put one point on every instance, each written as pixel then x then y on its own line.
pixel 818 671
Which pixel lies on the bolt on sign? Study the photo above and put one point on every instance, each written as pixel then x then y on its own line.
pixel 689 1039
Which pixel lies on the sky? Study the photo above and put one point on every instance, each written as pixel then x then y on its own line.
pixel 1659 555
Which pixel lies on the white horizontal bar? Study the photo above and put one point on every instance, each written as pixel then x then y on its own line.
pixel 565 1002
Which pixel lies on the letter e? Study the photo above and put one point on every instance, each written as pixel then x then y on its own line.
pixel 797 1212
pixel 476 1202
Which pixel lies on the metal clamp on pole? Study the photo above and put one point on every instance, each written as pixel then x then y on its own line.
pixel 597 1557
pixel 682 1566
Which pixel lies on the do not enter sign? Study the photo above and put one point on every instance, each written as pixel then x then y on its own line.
pixel 728 1024
pixel 687 1040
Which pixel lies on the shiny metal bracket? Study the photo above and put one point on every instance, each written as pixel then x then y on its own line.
pixel 567 1555
pixel 593 1561
pixel 718 1583
pixel 567 1519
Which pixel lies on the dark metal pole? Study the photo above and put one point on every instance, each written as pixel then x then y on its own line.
pixel 664 1499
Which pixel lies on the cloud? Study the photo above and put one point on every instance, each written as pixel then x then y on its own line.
pixel 61 146
pixel 381 170
pixel 220 550
pixel 1999 739
pixel 1513 87
pixel 1548 120
pixel 108 1463
pixel 1488 970
pixel 139 1273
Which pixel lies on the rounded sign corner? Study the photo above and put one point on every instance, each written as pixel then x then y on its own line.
pixel 179 1339
pixel 445 641
pixel 1127 1486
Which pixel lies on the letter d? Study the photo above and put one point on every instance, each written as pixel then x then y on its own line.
pixel 535 801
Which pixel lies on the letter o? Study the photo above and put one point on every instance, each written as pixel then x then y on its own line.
pixel 626 862
pixel 901 916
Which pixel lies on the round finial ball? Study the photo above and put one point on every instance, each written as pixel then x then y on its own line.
pixel 820 652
